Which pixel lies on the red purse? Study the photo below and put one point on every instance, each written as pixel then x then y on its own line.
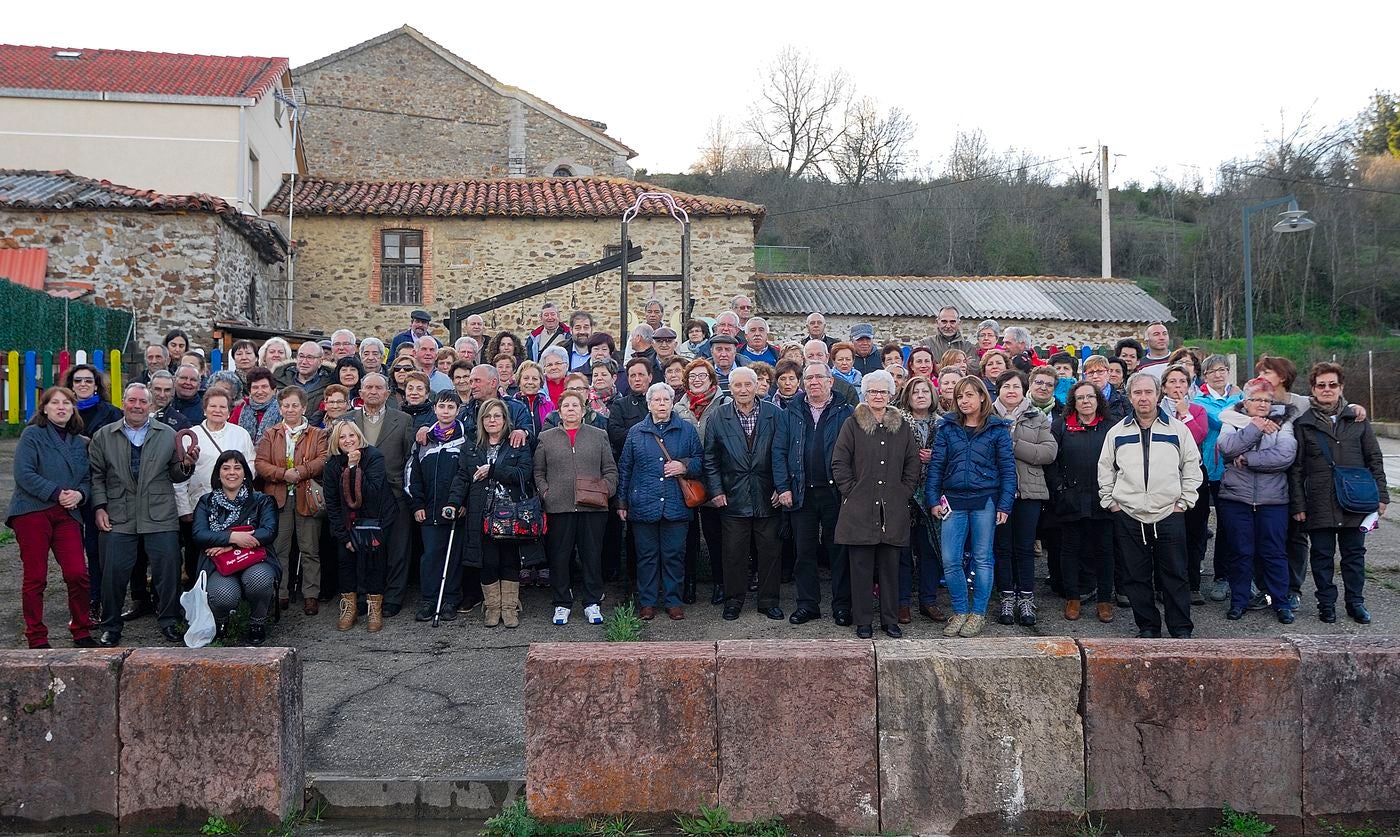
pixel 237 560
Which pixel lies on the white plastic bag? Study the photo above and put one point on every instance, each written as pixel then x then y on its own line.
pixel 197 613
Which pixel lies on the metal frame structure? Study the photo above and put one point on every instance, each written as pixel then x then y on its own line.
pixel 681 217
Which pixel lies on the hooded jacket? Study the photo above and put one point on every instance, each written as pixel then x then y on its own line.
pixel 876 468
pixel 1353 444
pixel 1148 480
pixel 1034 447
pixel 1216 406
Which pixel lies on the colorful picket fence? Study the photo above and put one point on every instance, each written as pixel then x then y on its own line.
pixel 28 374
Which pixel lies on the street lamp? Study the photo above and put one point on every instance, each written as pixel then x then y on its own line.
pixel 1291 221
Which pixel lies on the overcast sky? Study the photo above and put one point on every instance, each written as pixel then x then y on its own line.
pixel 1170 85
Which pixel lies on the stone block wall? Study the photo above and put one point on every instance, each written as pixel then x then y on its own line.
pixel 790 327
pixel 174 270
pixel 992 736
pixel 399 111
pixel 475 258
pixel 100 739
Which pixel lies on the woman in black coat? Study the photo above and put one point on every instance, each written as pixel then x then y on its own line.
pixel 1086 536
pixel 235 517
pixel 488 466
pixel 361 507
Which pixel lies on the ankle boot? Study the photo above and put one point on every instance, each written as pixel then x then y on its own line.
pixel 348 612
pixel 491 611
pixel 510 604
pixel 376 613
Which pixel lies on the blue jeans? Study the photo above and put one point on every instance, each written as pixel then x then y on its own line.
pixel 660 561
pixel 974 530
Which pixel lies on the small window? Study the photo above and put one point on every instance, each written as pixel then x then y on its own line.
pixel 563 171
pixel 611 250
pixel 401 267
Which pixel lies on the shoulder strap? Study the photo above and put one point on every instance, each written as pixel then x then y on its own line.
pixel 205 431
pixel 664 452
pixel 1326 452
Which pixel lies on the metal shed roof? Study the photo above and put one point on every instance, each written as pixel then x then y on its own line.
pixel 976 297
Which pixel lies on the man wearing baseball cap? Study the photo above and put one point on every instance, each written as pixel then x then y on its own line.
pixel 863 338
pixel 418 327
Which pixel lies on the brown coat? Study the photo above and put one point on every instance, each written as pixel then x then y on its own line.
pixel 557 464
pixel 876 468
pixel 309 458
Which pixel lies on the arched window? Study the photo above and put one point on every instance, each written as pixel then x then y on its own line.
pixel 563 171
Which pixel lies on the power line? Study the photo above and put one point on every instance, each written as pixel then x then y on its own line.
pixel 930 188
pixel 1320 183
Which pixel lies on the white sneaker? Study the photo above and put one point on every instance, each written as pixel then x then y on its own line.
pixel 594 614
pixel 561 616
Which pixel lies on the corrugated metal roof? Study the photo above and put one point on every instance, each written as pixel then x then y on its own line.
pixel 25 266
pixel 976 297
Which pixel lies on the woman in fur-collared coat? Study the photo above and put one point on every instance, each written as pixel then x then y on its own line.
pixel 876 468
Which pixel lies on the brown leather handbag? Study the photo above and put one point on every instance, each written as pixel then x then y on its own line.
pixel 591 492
pixel 692 490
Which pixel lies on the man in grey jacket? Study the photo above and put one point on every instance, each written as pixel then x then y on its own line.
pixel 392 432
pixel 135 465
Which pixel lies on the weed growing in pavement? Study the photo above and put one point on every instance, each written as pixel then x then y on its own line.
pixel 237 633
pixel 623 624
pixel 297 819
pixel 7 537
pixel 619 826
pixel 715 822
pixel 515 821
pixel 219 825
pixel 1237 824
pixel 1370 829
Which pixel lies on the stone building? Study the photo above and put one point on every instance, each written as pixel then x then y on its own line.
pixel 174 261
pixel 374 251
pixel 1056 309
pixel 402 107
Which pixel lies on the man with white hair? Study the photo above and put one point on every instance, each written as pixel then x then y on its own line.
pixel 816 351
pixel 742 307
pixel 728 324
pixel 816 330
pixel 425 355
pixel 747 450
pixel 756 345
pixel 1017 341
pixel 343 343
pixel 475 328
pixel 467 349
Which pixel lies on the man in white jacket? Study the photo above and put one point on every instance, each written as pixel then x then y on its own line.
pixel 1149 475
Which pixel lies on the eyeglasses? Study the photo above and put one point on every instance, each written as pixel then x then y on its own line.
pixel 403 368
pixel 877 392
pixel 1260 400
pixel 1086 398
pixel 335 401
pixel 698 376
pixel 1327 385
pixel 1041 382
pixel 84 380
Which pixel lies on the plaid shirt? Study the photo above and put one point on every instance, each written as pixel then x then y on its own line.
pixel 748 421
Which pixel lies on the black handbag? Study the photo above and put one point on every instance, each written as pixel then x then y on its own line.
pixel 1355 487
pixel 514 519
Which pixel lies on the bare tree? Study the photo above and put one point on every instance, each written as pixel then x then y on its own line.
pixel 971 156
pixel 874 145
pixel 717 152
pixel 795 117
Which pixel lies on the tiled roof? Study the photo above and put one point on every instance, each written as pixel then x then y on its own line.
pixel 590 126
pixel 137 74
pixel 515 197
pixel 976 297
pixel 59 191
pixel 25 266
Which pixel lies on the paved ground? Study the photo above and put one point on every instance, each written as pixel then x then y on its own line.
pixel 418 701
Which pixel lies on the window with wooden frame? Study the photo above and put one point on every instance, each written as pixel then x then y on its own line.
pixel 401 267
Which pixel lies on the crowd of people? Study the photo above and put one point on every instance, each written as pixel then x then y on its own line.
pixel 568 460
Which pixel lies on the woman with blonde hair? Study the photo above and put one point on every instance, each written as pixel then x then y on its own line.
pixel 361 507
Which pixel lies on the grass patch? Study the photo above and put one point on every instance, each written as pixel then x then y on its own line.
pixel 1370 829
pixel 237 634
pixel 219 825
pixel 1239 824
pixel 289 824
pixel 715 822
pixel 623 624
pixel 7 537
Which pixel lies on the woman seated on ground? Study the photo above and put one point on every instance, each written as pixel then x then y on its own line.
pixel 234 516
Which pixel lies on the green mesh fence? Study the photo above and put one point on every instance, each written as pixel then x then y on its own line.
pixel 31 319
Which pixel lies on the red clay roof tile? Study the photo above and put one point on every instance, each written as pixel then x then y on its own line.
pixel 139 73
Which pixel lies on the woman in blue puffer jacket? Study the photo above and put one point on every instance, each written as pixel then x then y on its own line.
pixel 659 450
pixel 971 487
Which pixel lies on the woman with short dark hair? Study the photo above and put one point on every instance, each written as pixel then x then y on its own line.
pixel 51 484
pixel 232 516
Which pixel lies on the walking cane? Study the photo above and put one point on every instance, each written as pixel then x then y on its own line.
pixel 446 563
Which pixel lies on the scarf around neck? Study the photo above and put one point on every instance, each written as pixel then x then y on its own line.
pixel 256 417
pixel 89 402
pixel 222 510
pixel 1324 410
pixel 700 403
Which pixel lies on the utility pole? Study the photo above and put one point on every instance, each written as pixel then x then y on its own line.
pixel 1106 259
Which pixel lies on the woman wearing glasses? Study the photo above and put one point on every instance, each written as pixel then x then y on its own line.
pixel 876 468
pixel 1331 433
pixel 1086 532
pixel 1253 499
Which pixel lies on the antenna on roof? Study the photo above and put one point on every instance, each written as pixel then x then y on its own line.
pixel 293 99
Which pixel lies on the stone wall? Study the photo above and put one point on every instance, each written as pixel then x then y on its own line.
pixel 787 327
pixel 476 258
pixel 399 111
pixel 175 271
pixel 989 736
